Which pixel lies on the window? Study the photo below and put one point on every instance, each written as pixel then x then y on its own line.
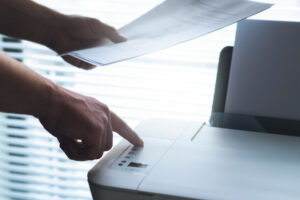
pixel 175 83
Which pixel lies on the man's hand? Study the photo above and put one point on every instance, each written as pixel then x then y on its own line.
pixel 77 32
pixel 31 21
pixel 84 126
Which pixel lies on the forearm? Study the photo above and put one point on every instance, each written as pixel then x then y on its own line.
pixel 22 90
pixel 25 19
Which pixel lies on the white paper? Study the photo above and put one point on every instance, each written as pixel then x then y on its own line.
pixel 171 23
pixel 264 72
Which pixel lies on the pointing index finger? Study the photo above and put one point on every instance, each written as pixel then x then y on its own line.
pixel 120 127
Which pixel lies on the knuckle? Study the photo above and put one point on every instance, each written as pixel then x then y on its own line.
pixel 69 155
pixel 65 150
pixel 92 131
pixel 93 21
pixel 62 147
pixel 91 157
pixel 105 120
pixel 111 29
pixel 99 155
pixel 94 155
pixel 101 129
pixel 105 109
pixel 91 99
pixel 109 146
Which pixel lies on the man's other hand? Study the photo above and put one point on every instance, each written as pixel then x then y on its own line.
pixel 75 32
pixel 83 126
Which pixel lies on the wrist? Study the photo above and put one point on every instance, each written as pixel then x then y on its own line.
pixel 59 40
pixel 49 99
pixel 54 29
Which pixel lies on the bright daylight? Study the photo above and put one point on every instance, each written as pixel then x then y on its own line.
pixel 152 99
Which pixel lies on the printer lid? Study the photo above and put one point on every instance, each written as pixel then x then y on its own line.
pixel 258 84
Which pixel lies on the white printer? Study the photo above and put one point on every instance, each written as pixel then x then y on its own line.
pixel 251 149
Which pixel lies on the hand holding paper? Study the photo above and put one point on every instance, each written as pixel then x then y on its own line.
pixel 81 32
pixel 170 23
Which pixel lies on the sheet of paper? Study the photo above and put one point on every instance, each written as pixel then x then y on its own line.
pixel 264 73
pixel 168 24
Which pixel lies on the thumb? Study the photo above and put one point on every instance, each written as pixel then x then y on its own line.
pixel 108 31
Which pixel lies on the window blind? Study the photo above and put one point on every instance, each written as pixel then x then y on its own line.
pixel 176 83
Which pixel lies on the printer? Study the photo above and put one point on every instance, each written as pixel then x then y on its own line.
pixel 250 150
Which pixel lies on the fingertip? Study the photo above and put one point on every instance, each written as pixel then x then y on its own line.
pixel 111 33
pixel 117 38
pixel 78 63
pixel 140 143
pixel 120 126
pixel 135 139
pixel 122 38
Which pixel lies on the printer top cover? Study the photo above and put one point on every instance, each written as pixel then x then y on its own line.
pixel 193 161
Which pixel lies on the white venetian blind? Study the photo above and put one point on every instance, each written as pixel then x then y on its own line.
pixel 175 83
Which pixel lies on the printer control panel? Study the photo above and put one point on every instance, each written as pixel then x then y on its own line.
pixel 142 159
pixel 129 160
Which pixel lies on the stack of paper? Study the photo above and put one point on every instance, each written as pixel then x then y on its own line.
pixel 168 24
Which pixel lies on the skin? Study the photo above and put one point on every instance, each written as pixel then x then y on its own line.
pixel 82 125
